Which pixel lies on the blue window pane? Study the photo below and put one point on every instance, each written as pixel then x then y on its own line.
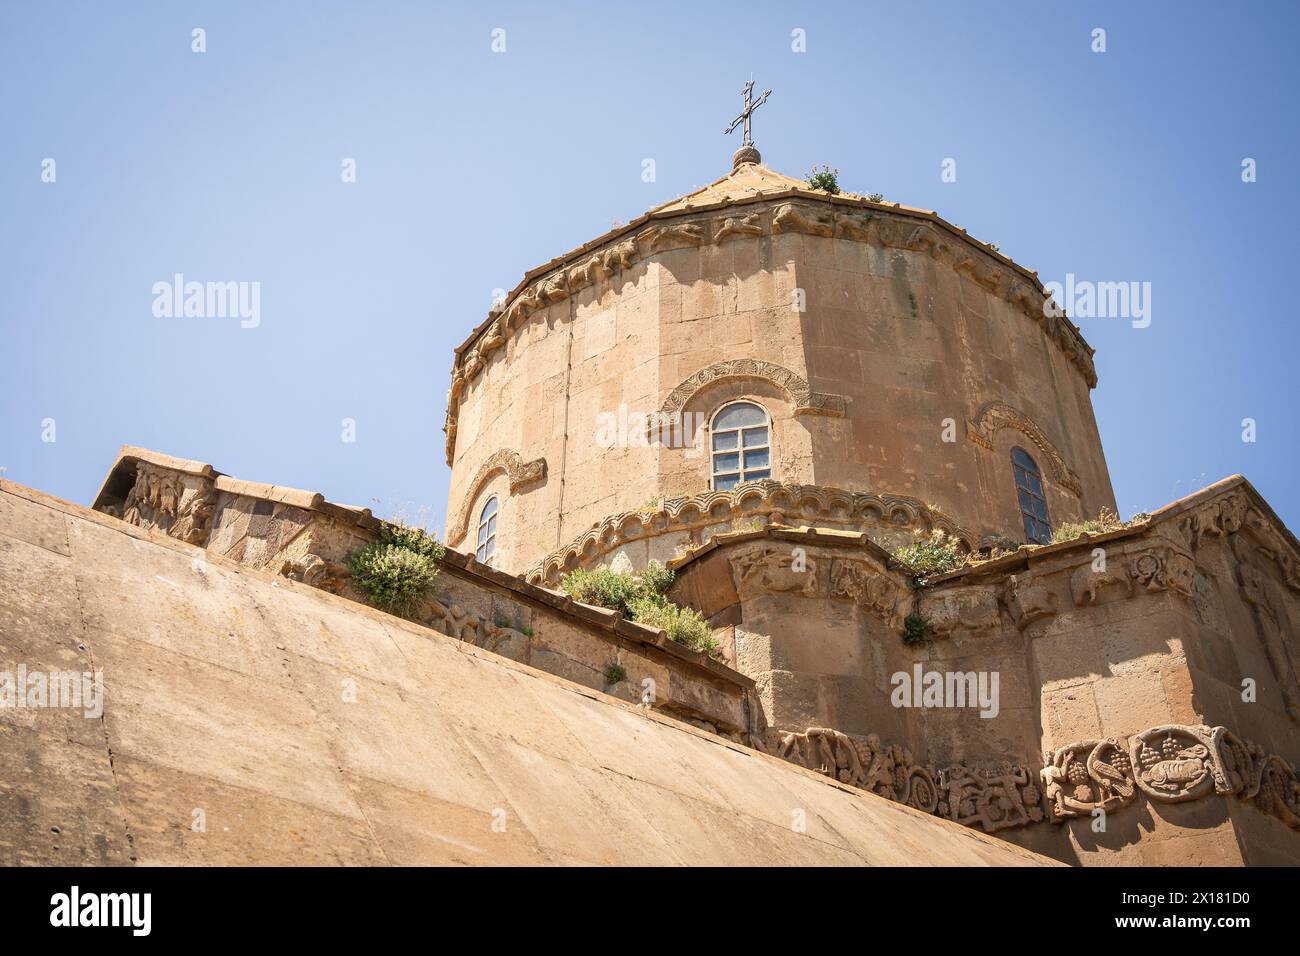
pixel 726 482
pixel 1021 458
pixel 726 462
pixel 756 459
pixel 755 436
pixel 757 475
pixel 739 415
pixel 725 441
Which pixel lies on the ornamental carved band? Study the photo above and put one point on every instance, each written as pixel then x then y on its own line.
pixel 806 401
pixel 1167 764
pixel 506 460
pixel 995 416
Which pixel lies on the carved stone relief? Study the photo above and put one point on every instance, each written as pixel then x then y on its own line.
pixel 507 460
pixel 995 416
pixel 795 387
pixel 1168 764
pixel 177 504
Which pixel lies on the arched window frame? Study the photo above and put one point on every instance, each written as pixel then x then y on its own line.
pixel 485 541
pixel 1031 497
pixel 723 478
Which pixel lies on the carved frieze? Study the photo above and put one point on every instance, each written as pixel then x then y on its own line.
pixel 990 798
pixel 177 504
pixel 1164 569
pixel 1087 776
pixel 768 570
pixel 1167 764
pixel 870 587
pixel 1028 601
pixel 965 608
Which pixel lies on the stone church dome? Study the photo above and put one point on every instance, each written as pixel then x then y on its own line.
pixel 759 352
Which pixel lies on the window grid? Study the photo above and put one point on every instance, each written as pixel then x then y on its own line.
pixel 486 548
pixel 741 445
pixel 1032 497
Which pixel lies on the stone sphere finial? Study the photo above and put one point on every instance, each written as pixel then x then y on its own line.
pixel 746 154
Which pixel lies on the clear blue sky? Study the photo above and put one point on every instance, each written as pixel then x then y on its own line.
pixel 473 167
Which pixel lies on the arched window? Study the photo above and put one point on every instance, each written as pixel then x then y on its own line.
pixel 741 445
pixel 1033 500
pixel 487 532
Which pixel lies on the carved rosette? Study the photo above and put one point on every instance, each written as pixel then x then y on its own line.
pixel 1164 569
pixel 1173 764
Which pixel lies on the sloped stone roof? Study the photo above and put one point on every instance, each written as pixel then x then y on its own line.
pixel 225 694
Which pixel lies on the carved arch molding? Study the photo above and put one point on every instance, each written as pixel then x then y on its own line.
pixel 507 461
pixel 995 416
pixel 805 400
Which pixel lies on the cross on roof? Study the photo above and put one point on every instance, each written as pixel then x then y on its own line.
pixel 750 105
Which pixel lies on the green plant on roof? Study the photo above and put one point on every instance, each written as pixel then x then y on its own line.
pixel 825 179
pixel 644 599
pixel 397 570
pixel 1105 521
pixel 928 555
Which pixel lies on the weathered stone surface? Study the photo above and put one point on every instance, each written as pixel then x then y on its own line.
pixel 251 719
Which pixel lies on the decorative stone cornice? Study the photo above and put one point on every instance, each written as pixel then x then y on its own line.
pixel 767 501
pixel 804 399
pixel 995 416
pixel 505 460
pixel 1166 764
pixel 775 211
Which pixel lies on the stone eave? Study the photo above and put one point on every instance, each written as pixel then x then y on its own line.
pixel 454 562
pixel 1029 555
pixel 926 215
pixel 612 621
pixel 999 274
pixel 807 536
pixel 122 475
pixel 750 499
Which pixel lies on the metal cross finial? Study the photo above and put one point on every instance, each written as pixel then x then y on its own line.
pixel 750 105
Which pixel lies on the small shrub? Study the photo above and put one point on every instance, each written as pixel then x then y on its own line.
pixel 876 197
pixel 643 600
pixel 916 630
pixel 1106 520
pixel 657 578
pixel 826 179
pixel 603 588
pixel 615 673
pixel 396 571
pixel 924 557
pixel 683 624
